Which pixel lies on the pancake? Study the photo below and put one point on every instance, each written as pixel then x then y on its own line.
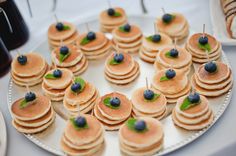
pixel 34 66
pixel 128 50
pixel 172 86
pixel 33 111
pixel 223 71
pixel 146 58
pixel 59 83
pixel 158 116
pixel 67 41
pixel 183 92
pixel 141 104
pixel 54 34
pixel 123 111
pixel 82 70
pixel 133 34
pixel 53 92
pixel 120 69
pixel 105 19
pixel 99 51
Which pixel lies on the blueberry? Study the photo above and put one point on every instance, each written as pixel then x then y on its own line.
pixel 64 50
pixel 156 38
pixel 75 87
pixel 148 94
pixel 91 36
pixel 111 12
pixel 194 98
pixel 115 102
pixel 80 121
pixel 140 125
pixel 59 26
pixel 174 53
pixel 119 57
pixel 210 67
pixel 167 18
pixel 203 40
pixel 22 59
pixel 30 96
pixel 57 73
pixel 170 73
pixel 127 27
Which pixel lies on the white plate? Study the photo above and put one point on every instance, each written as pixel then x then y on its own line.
pixel 3 136
pixel 174 137
pixel 218 23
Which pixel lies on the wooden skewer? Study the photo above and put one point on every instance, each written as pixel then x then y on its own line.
pixel 208 59
pixel 117 49
pixel 61 42
pixel 27 88
pixel 18 53
pixel 109 3
pixel 147 83
pixel 55 16
pixel 203 30
pixel 155 28
pixel 175 42
pixel 163 10
pixel 78 107
pixel 87 27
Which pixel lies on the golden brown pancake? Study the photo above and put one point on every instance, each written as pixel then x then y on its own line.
pixel 133 34
pixel 105 19
pixel 67 41
pixel 33 111
pixel 54 34
pixel 123 111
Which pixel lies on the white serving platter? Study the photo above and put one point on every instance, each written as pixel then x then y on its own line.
pixel 218 23
pixel 3 136
pixel 175 137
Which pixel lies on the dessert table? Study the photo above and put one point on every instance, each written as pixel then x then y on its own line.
pixel 219 140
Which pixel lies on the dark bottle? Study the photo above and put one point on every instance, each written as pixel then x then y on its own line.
pixel 13 29
pixel 5 59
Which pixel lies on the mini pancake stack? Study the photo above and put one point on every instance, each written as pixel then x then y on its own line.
pixel 123 73
pixel 68 35
pixel 83 141
pixel 182 61
pixel 172 88
pixel 199 54
pixel 83 100
pixel 142 107
pixel 193 118
pixel 76 61
pixel 147 142
pixel 97 48
pixel 109 22
pixel 150 48
pixel 112 117
pixel 54 88
pixel 33 118
pixel 213 84
pixel 177 27
pixel 31 72
pixel 127 41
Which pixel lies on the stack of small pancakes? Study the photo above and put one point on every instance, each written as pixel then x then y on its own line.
pixel 83 101
pixel 127 41
pixel 142 143
pixel 213 84
pixel 124 73
pixel 85 141
pixel 182 62
pixel 108 23
pixel 97 48
pixel 194 118
pixel 76 61
pixel 229 9
pixel 150 49
pixel 67 36
pixel 178 28
pixel 111 118
pixel 35 117
pixel 172 88
pixel 199 55
pixel 55 88
pixel 31 73
pixel 144 108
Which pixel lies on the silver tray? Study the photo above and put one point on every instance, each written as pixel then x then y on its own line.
pixel 3 136
pixel 174 137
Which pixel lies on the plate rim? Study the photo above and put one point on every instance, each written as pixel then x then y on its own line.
pixel 4 134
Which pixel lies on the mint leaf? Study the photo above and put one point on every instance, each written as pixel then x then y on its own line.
pixel 167 54
pixel 63 57
pixel 50 76
pixel 72 120
pixel 113 62
pixel 149 38
pixel 121 28
pixel 106 102
pixel 164 78
pixel 117 14
pixel 66 27
pixel 81 82
pixel 156 96
pixel 130 123
pixel 187 104
pixel 23 104
pixel 205 47
pixel 84 41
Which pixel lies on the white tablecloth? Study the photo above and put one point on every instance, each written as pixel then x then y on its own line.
pixel 219 140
